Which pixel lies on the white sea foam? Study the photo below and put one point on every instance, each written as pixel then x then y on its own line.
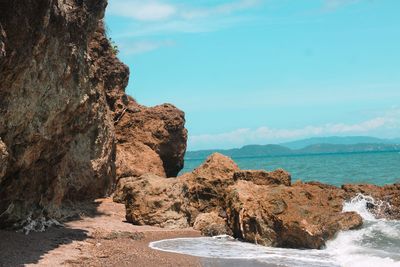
pixel 377 244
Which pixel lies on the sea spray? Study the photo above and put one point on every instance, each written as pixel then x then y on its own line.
pixel 376 244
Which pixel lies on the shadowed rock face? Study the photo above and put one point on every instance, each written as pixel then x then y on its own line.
pixel 149 139
pixel 64 115
pixel 54 119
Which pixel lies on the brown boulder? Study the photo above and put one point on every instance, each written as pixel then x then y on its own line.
pixel 154 200
pixel 300 216
pixel 205 187
pixel 261 177
pixel 216 166
pixel 385 202
pixel 150 140
pixel 210 224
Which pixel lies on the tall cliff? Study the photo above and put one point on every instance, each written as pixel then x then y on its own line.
pixel 61 99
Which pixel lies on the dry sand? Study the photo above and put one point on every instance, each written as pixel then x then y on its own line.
pixel 101 239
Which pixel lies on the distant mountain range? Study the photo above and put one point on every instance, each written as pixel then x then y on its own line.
pixel 339 140
pixel 318 145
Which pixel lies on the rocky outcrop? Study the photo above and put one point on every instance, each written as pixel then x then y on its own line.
pixel 299 216
pixel 260 177
pixel 255 206
pixel 150 140
pixel 205 187
pixel 54 118
pixel 385 201
pixel 154 200
pixel 211 224
pixel 65 120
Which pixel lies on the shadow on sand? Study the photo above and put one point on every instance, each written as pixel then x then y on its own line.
pixel 18 249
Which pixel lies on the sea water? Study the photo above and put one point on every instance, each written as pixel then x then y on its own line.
pixel 373 167
pixel 376 244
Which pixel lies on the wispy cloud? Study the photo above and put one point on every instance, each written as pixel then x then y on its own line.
pixel 143 46
pixel 156 10
pixel 151 18
pixel 156 17
pixel 142 10
pixel 388 121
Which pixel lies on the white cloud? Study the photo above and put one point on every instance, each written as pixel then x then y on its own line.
pixel 389 121
pixel 143 46
pixel 142 10
pixel 157 17
pixel 155 10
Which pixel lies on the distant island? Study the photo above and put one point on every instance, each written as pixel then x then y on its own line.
pixel 316 145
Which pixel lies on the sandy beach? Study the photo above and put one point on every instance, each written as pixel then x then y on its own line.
pixel 99 238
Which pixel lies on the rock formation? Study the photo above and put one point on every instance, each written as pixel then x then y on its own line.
pixel 298 216
pixel 255 206
pixel 385 202
pixel 149 139
pixel 64 116
pixel 54 119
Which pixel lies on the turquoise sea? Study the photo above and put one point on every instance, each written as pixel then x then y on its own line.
pixel 368 167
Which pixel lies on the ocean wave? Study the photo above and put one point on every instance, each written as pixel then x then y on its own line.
pixel 377 243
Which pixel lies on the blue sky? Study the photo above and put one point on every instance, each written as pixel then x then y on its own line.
pixel 265 71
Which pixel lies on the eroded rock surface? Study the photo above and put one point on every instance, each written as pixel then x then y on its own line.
pixel 54 119
pixel 211 224
pixel 255 206
pixel 385 202
pixel 260 177
pixel 150 140
pixel 300 216
pixel 154 200
pixel 65 120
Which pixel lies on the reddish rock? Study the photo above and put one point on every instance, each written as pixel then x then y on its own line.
pixel 211 224
pixel 150 140
pixel 301 216
pixel 154 200
pixel 256 206
pixel 216 166
pixel 205 187
pixel 386 202
pixel 261 177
